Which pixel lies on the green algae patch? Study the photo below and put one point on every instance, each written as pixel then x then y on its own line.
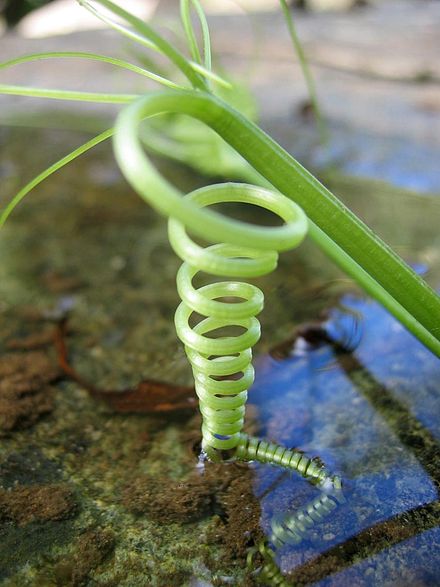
pixel 25 546
pixel 166 500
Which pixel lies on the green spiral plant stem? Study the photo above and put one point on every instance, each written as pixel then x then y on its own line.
pixel 269 572
pixel 221 362
pixel 291 528
pixel 251 448
pixel 345 238
pixel 222 366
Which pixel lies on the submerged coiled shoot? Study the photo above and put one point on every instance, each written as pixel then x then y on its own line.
pixel 293 528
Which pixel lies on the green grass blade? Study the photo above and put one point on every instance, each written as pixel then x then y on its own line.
pixel 373 288
pixel 94 57
pixel 197 67
pixel 6 212
pixel 145 31
pixel 119 27
pixel 185 13
pixel 322 127
pixel 365 280
pixel 209 74
pixel 68 95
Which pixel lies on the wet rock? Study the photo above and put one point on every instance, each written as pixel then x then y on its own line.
pixel 37 503
pixel 25 393
pixel 166 500
pixel 239 527
pixel 92 548
pixel 37 510
pixel 28 467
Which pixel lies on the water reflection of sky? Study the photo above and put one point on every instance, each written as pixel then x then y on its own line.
pixel 370 415
pixel 403 163
pixel 410 164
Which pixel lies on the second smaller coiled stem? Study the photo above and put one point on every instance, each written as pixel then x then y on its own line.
pixel 294 527
pixel 251 448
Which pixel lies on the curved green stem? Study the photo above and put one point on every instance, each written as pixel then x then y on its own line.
pixel 323 130
pixel 94 57
pixel 157 40
pixel 50 170
pixel 54 94
pixel 368 259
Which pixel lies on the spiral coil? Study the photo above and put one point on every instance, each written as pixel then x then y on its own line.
pixel 222 366
pixel 290 529
pixel 269 573
pixel 251 448
pixel 293 528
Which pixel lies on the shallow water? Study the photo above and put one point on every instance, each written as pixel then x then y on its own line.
pixel 393 158
pixel 105 493
pixel 371 414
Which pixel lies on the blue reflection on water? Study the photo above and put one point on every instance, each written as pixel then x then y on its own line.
pixel 408 164
pixel 416 554
pixel 370 415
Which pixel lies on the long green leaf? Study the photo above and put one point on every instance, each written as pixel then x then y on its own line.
pixel 6 212
pixel 323 130
pixel 130 34
pixel 185 12
pixel 54 94
pixel 94 57
pixel 150 35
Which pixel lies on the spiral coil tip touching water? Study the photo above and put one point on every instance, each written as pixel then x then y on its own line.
pixel 222 363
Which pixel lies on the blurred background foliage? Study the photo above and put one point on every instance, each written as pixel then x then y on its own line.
pixel 14 10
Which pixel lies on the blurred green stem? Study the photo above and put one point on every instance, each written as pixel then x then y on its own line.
pixel 320 121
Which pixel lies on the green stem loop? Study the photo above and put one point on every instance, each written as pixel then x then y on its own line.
pixel 350 243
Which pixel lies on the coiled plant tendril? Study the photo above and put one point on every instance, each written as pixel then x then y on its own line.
pixel 222 366
pixel 269 572
pixel 290 529
pixel 251 448
pixel 293 527
pixel 337 231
